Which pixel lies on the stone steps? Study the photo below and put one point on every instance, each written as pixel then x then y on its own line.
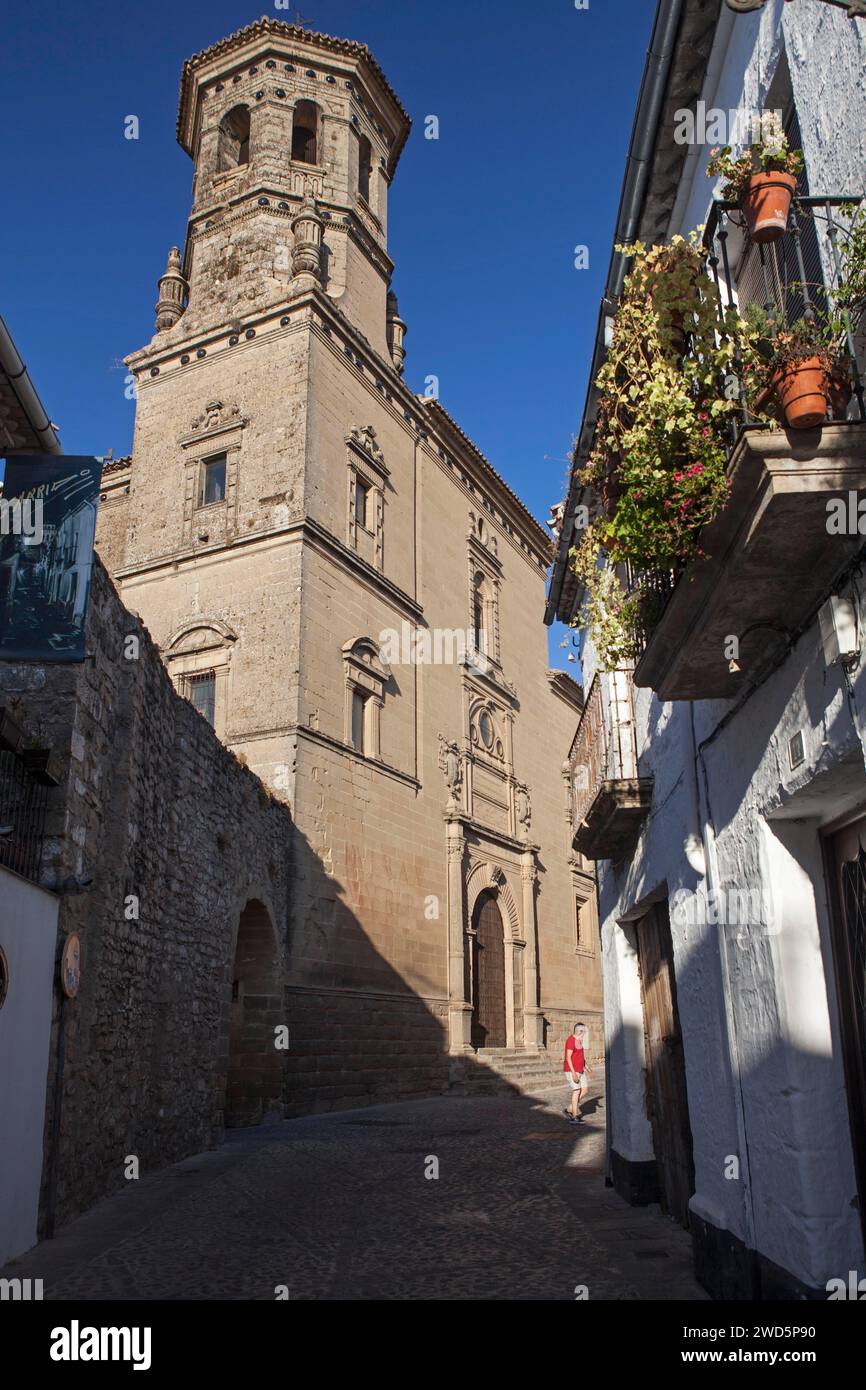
pixel 494 1071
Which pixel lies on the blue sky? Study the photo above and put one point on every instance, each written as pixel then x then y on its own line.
pixel 535 104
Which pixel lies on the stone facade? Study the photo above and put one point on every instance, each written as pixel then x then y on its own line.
pixel 159 845
pixel 345 509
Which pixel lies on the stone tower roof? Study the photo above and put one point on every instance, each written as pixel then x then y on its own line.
pixel 280 29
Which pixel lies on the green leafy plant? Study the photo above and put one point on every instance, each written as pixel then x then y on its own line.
pixel 771 154
pixel 849 296
pixel 661 441
pixel 662 437
pixel 612 616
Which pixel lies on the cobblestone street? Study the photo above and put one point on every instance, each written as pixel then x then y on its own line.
pixel 338 1207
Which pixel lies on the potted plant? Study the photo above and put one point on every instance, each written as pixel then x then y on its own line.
pixel 804 367
pixel 761 181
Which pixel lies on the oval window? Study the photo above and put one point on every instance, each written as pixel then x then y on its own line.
pixel 486 729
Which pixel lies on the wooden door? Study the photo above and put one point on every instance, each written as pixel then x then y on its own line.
pixel 667 1097
pixel 846 865
pixel 488 975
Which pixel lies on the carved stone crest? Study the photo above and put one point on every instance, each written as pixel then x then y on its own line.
pixel 364 438
pixel 214 415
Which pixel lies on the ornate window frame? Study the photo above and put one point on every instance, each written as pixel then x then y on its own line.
pixel 366 462
pixel 582 897
pixel 218 430
pixel 186 656
pixel 367 674
pixel 484 562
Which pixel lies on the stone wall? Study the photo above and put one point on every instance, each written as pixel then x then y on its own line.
pixel 151 807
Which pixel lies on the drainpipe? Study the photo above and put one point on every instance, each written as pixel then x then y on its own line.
pixel 23 388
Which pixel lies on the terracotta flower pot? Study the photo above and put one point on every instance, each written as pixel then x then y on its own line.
pixel 767 203
pixel 802 389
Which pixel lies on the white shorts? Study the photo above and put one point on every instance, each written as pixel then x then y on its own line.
pixel 576 1080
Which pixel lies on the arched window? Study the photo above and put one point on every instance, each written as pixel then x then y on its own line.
pixel 367 677
pixel 305 127
pixel 365 167
pixel 198 658
pixel 234 139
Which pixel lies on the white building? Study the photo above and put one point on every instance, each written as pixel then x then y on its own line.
pixel 725 800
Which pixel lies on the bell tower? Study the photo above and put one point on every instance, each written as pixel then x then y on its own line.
pixel 295 137
pixel 277 339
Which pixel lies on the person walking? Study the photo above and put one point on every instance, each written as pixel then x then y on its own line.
pixel 577 1070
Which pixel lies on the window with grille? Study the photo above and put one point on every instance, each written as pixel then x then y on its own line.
pixel 201 689
pixel 770 275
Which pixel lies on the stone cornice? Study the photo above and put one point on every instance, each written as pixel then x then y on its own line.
pixel 456 454
pixel 347 751
pixel 567 688
pixel 303 529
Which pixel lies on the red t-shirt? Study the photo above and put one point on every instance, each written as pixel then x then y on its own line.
pixel 572 1046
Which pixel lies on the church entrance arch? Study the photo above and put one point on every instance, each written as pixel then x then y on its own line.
pixel 488 973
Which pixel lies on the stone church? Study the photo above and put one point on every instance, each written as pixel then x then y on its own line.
pixel 344 586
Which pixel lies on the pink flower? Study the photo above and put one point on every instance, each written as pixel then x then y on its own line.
pixel 678 477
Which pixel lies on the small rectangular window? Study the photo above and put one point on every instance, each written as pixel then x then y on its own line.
pixel 583 925
pixel 202 694
pixel 213 481
pixel 362 502
pixel 359 721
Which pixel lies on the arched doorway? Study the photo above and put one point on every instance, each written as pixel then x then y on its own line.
pixel 488 974
pixel 254 1075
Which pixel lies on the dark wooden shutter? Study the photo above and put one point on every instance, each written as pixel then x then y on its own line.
pixel 666 1094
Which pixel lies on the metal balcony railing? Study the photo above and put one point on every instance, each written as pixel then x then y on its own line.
pixel 605 747
pixel 23 802
pixel 786 277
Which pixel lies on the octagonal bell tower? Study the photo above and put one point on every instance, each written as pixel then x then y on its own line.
pixel 295 137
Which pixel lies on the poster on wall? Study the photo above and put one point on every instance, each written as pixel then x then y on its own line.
pixel 47 528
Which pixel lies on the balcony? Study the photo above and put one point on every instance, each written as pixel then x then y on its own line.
pixel 771 561
pixel 25 777
pixel 610 799
pixel 772 556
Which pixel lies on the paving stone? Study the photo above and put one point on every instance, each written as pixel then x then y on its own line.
pixel 334 1208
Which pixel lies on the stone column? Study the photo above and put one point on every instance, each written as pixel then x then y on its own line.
pixel 459 1007
pixel 510 957
pixel 533 1020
